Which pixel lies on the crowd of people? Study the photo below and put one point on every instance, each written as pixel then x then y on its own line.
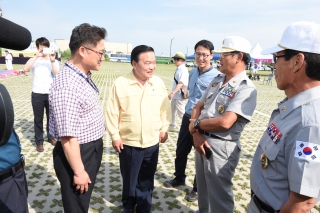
pixel 140 112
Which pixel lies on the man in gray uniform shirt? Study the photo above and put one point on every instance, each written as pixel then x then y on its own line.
pixel 216 124
pixel 286 165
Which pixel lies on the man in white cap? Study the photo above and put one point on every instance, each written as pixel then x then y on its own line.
pixel 216 124
pixel 179 85
pixel 285 167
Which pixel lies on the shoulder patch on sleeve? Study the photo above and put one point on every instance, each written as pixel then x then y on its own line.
pixel 308 151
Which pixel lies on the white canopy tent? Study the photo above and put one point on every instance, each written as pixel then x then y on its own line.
pixel 256 54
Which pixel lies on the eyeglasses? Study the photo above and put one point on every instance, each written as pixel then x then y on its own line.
pixel 198 55
pixel 223 55
pixel 176 59
pixel 275 57
pixel 99 53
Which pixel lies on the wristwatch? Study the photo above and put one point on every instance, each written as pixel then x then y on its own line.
pixel 196 124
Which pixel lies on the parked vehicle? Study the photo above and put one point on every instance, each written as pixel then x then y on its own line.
pixel 189 63
pixel 265 67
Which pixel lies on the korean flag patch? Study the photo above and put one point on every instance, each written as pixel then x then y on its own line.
pixel 308 151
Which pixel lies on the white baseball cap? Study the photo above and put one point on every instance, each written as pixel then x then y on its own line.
pixel 234 43
pixel 302 36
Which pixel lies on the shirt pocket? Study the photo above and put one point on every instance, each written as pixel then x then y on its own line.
pixel 271 150
pixel 222 101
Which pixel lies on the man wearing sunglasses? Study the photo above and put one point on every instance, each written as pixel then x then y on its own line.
pixel 76 119
pixel 199 80
pixel 285 167
pixel 216 124
pixel 179 85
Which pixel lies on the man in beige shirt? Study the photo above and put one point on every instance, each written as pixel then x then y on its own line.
pixel 138 117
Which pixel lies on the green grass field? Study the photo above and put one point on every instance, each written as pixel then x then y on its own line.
pixel 44 189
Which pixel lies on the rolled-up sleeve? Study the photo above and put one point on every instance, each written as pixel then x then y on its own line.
pixel 66 110
pixel 303 169
pixel 165 110
pixel 244 102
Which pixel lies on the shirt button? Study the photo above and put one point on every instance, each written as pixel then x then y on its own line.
pixel 283 108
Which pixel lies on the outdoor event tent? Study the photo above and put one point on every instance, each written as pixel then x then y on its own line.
pixel 256 56
pixel 215 57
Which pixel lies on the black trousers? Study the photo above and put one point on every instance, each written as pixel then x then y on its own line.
pixel 184 146
pixel 39 103
pixel 14 193
pixel 138 166
pixel 91 155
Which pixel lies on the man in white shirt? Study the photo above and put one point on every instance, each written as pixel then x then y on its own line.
pixel 180 82
pixel 43 67
pixel 8 60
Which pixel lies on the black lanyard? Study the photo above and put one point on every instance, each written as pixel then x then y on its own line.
pixel 87 79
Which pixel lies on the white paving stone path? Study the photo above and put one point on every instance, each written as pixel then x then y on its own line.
pixel 44 189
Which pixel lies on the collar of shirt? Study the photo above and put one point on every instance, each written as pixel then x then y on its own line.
pixel 235 79
pixel 204 71
pixel 180 66
pixel 288 105
pixel 133 80
pixel 76 69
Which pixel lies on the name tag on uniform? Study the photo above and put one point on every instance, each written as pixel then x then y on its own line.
pixel 274 133
pixel 308 151
pixel 228 91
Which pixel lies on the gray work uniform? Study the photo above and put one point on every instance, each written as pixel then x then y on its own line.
pixel 291 144
pixel 214 175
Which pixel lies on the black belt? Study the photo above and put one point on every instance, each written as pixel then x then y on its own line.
pixel 261 205
pixel 8 173
pixel 208 134
pixel 186 114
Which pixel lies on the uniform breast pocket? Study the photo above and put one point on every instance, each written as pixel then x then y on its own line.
pixel 223 102
pixel 271 150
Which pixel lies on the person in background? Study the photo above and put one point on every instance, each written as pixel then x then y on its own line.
pixel 8 59
pixel 138 117
pixel 199 79
pixel 180 82
pixel 43 67
pixel 284 174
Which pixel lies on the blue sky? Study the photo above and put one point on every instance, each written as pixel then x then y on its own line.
pixel 155 23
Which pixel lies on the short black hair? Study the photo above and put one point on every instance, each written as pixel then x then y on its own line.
pixel 206 44
pixel 246 56
pixel 86 34
pixel 312 62
pixel 138 50
pixel 42 41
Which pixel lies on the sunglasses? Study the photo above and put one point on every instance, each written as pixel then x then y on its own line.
pixel 275 57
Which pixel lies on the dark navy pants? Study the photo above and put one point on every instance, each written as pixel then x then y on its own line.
pixel 138 166
pixel 184 146
pixel 40 103
pixel 91 156
pixel 14 193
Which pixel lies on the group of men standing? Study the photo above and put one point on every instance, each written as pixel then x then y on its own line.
pixel 285 167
